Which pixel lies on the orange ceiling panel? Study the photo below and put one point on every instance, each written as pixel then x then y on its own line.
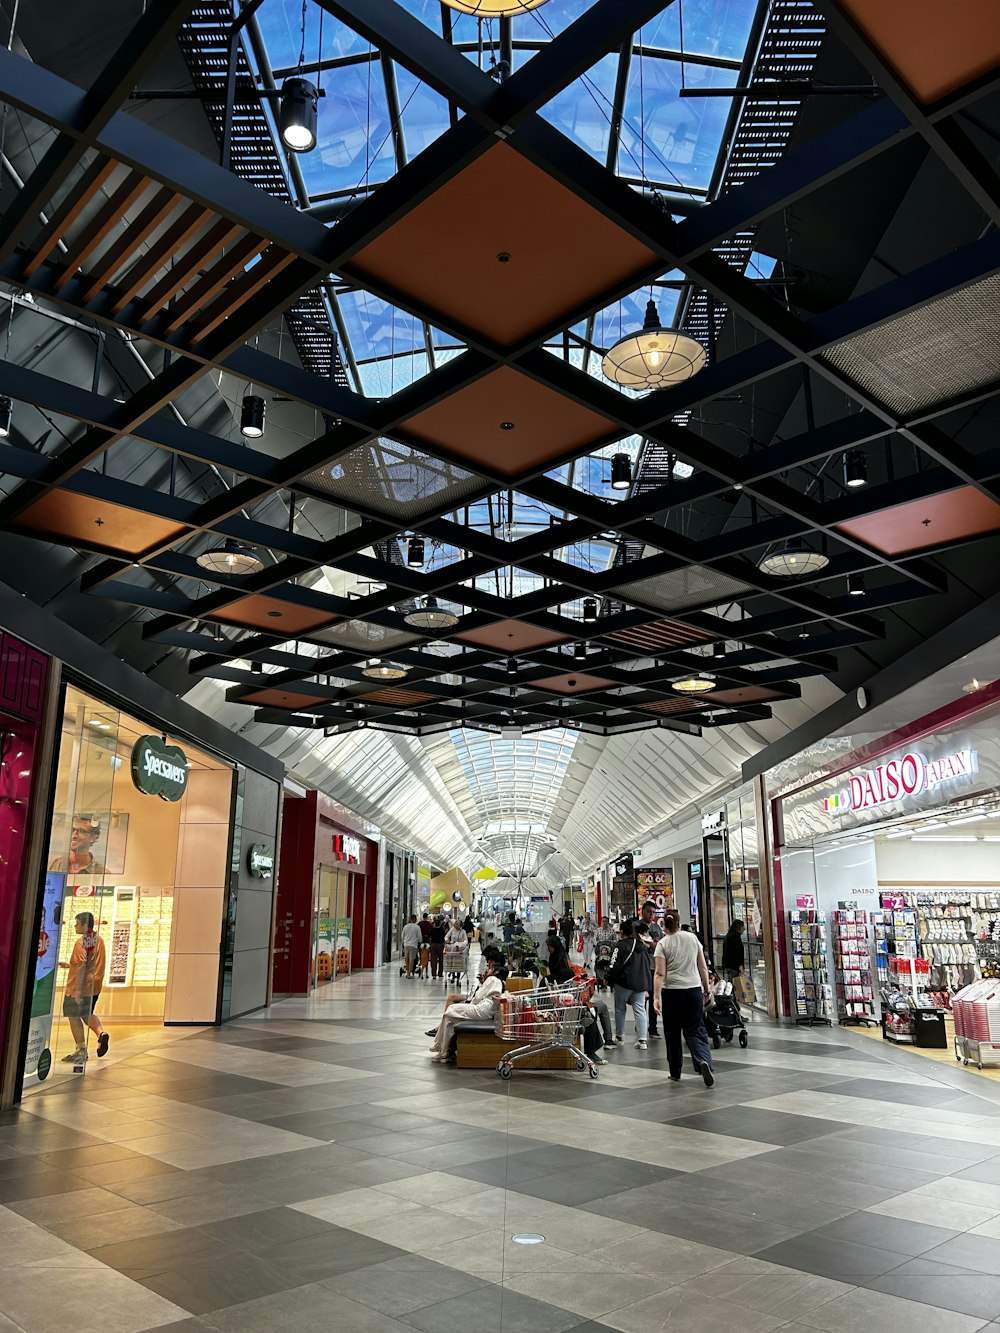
pixel 402 697
pixel 283 699
pixel 920 524
pixel 573 682
pixel 80 520
pixel 934 48
pixel 670 706
pixel 659 636
pixel 511 636
pixel 273 615
pixel 505 424
pixel 503 250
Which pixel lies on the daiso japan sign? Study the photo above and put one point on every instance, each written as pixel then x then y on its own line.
pixel 897 779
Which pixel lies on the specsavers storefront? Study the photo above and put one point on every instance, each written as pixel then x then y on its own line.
pixel 887 879
pixel 146 877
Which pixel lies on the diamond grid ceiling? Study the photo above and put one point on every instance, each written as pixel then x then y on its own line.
pixel 224 271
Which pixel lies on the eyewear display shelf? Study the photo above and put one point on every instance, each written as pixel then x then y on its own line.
pixel 852 947
pixel 812 994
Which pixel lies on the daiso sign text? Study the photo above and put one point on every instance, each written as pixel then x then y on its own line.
pixel 898 778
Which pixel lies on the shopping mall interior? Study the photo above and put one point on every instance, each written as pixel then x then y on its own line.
pixel 499 666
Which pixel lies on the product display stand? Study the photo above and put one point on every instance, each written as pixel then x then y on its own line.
pixel 812 994
pixel 852 945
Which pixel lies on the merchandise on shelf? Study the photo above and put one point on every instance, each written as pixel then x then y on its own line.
pixel 812 993
pixel 852 943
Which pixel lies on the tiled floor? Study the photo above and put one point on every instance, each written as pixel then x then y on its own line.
pixel 312 1169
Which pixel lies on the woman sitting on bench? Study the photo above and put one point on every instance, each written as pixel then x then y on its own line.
pixel 479 1005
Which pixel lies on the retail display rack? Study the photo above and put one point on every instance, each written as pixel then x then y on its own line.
pixel 811 990
pixel 852 946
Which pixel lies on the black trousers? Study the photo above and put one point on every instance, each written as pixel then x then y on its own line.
pixel 684 1015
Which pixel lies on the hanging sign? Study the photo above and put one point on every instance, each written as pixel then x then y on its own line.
pixel 159 769
pixel 260 860
pixel 899 778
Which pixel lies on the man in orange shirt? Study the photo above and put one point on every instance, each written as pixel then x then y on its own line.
pixel 83 988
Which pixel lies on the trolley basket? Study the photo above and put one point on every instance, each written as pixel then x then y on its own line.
pixel 544 1020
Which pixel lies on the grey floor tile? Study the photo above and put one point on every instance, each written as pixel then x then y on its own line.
pixel 216 1283
pixel 842 1260
pixel 888 1233
pixel 980 1254
pixel 262 1232
pixel 145 1255
pixel 943 1286
pixel 496 1311
pixel 395 1291
pixel 747 1122
pixel 314 1258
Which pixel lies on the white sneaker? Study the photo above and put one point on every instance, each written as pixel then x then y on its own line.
pixel 619 1041
pixel 640 1046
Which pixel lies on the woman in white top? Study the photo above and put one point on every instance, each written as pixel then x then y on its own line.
pixel 479 1005
pixel 680 992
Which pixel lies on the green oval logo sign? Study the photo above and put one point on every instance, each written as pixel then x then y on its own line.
pixel 159 769
pixel 260 860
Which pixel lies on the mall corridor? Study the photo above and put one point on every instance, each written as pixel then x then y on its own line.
pixel 311 1168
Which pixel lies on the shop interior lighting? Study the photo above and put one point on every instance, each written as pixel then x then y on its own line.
pixel 856 585
pixel 492 9
pixel 942 837
pixel 855 469
pixel 621 472
pixel 376 669
pixel 791 561
pixel 415 553
pixel 297 114
pixel 654 357
pixel 430 616
pixel 699 684
pixel 969 819
pixel 252 415
pixel 232 557
pixel 590 609
pixel 6 417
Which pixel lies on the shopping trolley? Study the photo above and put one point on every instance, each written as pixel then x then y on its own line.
pixel 456 962
pixel 546 1020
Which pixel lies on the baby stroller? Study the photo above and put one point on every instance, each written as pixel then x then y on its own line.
pixel 602 957
pixel 723 1017
pixel 422 966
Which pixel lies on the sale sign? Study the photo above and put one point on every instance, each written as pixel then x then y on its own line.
pixel 807 901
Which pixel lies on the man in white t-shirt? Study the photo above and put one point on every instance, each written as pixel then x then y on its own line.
pixel 412 940
pixel 680 991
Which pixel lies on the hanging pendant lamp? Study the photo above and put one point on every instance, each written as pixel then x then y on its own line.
pixel 297 114
pixel 792 561
pixel 378 670
pixel 231 557
pixel 252 415
pixel 431 616
pixel 700 683
pixel 493 9
pixel 655 357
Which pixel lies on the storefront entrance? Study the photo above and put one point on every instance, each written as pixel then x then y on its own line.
pixel 334 922
pixel 134 893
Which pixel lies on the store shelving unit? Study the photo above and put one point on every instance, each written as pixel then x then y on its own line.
pixel 852 946
pixel 812 994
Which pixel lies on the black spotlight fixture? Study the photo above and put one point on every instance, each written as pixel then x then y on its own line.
pixel 415 553
pixel 580 652
pixel 590 609
pixel 718 650
pixel 512 666
pixel 6 417
pixel 297 114
pixel 856 585
pixel 855 469
pixel 252 416
pixel 621 472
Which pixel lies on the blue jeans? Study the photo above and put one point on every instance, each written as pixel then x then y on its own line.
pixel 684 1013
pixel 637 999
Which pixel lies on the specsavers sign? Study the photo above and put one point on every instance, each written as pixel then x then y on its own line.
pixel 159 769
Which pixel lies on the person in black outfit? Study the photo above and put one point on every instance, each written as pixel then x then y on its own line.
pixel 566 927
pixel 436 946
pixel 558 964
pixel 733 952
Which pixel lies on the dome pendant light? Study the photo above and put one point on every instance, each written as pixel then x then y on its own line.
pixel 231 557
pixel 655 357
pixel 252 416
pixel 379 670
pixel 492 9
pixel 621 472
pixel 6 417
pixel 430 616
pixel 700 683
pixel 791 562
pixel 297 114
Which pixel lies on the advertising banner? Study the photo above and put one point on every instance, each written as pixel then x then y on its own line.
pixel 655 884
pixel 38 1060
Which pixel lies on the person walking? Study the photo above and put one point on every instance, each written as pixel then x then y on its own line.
pixel 733 951
pixel 83 988
pixel 651 938
pixel 630 972
pixel 567 925
pixel 436 947
pixel 681 989
pixel 411 942
pixel 587 931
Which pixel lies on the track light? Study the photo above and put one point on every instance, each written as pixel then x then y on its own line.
pixel 580 652
pixel 621 472
pixel 231 557
pixel 415 552
pixel 6 417
pixel 856 585
pixel 297 114
pixel 590 609
pixel 252 416
pixel 855 469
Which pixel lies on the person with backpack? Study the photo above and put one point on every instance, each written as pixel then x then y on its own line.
pixel 630 972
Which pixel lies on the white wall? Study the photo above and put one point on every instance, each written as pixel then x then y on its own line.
pixel 938 863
